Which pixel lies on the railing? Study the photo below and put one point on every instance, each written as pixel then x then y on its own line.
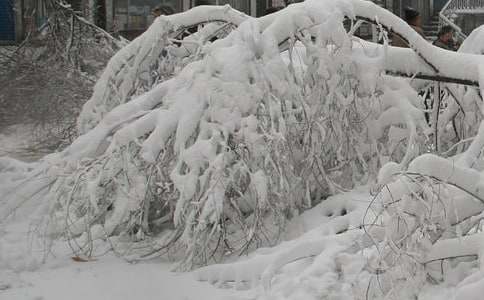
pixel 454 7
pixel 465 5
pixel 458 31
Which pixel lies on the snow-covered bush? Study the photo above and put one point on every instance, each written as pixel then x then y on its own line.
pixel 216 157
pixel 157 55
pixel 417 229
pixel 234 144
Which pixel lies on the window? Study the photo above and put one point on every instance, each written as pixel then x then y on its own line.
pixel 34 14
pixel 241 5
pixel 136 14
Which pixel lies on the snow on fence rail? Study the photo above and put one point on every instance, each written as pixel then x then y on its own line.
pixel 466 5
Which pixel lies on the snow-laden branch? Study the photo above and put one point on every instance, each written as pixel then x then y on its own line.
pixel 422 60
pixel 425 61
pixel 457 247
pixel 201 145
pixel 406 62
pixel 205 14
pixel 236 138
pixel 126 72
pixel 447 63
pixel 119 44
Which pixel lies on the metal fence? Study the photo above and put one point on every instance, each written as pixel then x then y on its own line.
pixel 465 5
pixel 453 8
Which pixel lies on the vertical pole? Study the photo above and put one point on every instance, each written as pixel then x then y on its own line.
pixel 101 14
pixel 17 27
pixel 185 5
pixel 18 7
pixel 127 14
pixel 374 34
pixel 109 15
pixel 435 115
pixel 92 11
pixel 253 8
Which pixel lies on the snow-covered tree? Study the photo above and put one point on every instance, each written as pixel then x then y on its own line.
pixel 211 146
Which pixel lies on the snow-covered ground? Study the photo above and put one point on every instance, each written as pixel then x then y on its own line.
pixel 418 238
pixel 32 270
pixel 15 140
pixel 28 272
pixel 106 279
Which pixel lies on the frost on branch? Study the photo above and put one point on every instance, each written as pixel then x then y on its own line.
pixel 155 56
pixel 422 226
pixel 217 158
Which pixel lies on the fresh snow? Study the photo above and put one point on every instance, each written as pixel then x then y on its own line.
pixel 415 232
pixel 30 269
pixel 23 276
pixel 107 278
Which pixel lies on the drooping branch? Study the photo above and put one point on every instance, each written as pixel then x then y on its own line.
pixel 445 63
pixel 217 136
pixel 423 61
pixel 122 75
pixel 456 247
pixel 60 5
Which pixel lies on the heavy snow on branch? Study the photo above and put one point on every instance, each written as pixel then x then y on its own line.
pixel 239 138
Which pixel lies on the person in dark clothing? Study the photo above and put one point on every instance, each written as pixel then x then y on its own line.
pixel 445 38
pixel 413 18
pixel 162 10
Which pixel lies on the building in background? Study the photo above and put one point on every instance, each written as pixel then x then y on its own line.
pixel 128 17
pixel 11 25
pixel 463 15
pixel 131 17
pixel 20 17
